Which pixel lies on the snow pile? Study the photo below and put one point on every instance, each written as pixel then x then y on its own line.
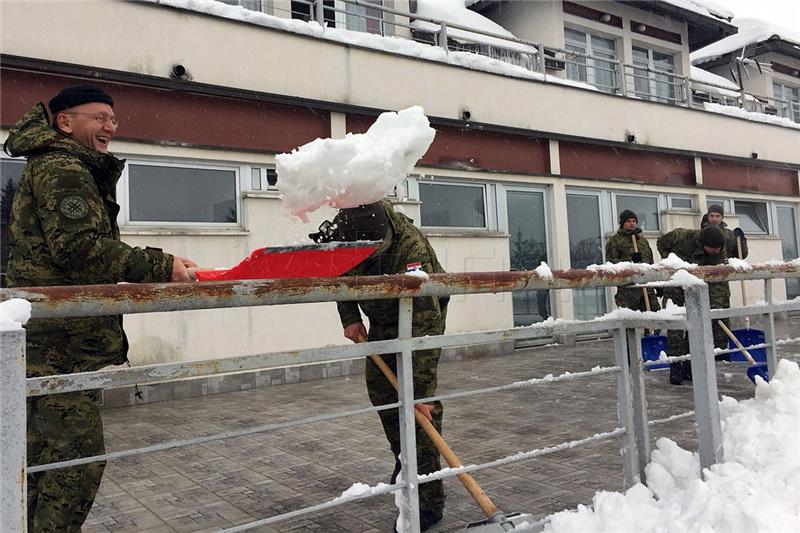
pixel 703 7
pixel 418 273
pixel 756 489
pixel 543 270
pixel 750 115
pixel 674 262
pixel 456 12
pixel 356 170
pixel 751 31
pixel 14 313
pixel 739 264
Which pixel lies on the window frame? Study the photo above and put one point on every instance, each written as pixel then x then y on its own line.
pixel 588 49
pixel 672 197
pixel 652 84
pixel 123 194
pixel 653 196
pixel 768 207
pixel 488 212
pixel 792 110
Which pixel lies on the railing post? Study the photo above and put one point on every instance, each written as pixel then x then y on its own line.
pixel 769 331
pixel 687 88
pixel 540 57
pixel 623 89
pixel 13 456
pixel 319 12
pixel 640 421
pixel 625 410
pixel 443 36
pixel 408 439
pixel 704 376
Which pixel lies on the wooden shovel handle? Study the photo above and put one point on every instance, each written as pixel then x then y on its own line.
pixel 738 344
pixel 739 253
pixel 194 270
pixel 480 497
pixel 644 290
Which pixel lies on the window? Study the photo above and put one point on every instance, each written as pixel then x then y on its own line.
pixel 252 5
pixel 10 173
pixel 365 18
pixel 658 86
pixel 681 202
pixel 787 101
pixel 263 178
pixel 752 216
pixel 452 205
pixel 787 230
pixel 305 10
pixel 600 69
pixel 181 194
pixel 645 207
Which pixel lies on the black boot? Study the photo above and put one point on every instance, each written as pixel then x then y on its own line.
pixel 676 373
pixel 397 467
pixel 428 519
pixel 687 370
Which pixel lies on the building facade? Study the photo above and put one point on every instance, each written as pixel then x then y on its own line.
pixel 527 166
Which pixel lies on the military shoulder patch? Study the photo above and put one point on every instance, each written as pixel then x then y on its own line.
pixel 74 207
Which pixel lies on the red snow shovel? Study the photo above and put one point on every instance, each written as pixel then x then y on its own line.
pixel 756 369
pixel 303 261
pixel 496 521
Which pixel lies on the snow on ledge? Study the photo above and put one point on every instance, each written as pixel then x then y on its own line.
pixel 750 115
pixel 739 265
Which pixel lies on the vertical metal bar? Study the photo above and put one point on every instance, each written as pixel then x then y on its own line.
pixel 540 57
pixel 13 456
pixel 443 36
pixel 319 12
pixel 704 375
pixel 687 87
pixel 408 439
pixel 625 410
pixel 769 331
pixel 641 427
pixel 623 89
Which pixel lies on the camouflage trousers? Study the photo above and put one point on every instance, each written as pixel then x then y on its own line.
pixel 719 296
pixel 633 298
pixel 62 427
pixel 381 392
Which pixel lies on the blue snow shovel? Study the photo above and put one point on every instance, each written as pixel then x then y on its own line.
pixel 652 345
pixel 756 369
pixel 748 336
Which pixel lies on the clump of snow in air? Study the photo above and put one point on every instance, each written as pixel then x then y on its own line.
pixel 417 273
pixel 740 264
pixel 543 270
pixel 14 313
pixel 755 489
pixel 358 169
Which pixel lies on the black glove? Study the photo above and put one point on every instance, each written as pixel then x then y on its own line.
pixel 659 292
pixel 740 234
pixel 636 257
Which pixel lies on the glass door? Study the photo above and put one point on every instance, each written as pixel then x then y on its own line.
pixel 787 229
pixel 527 237
pixel 585 248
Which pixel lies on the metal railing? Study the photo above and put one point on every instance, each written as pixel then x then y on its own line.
pixel 633 428
pixel 607 75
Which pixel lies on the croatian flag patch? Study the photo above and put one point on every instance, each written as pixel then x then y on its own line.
pixel 412 267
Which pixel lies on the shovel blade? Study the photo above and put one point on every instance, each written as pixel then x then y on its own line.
pixel 652 346
pixel 305 261
pixel 758 370
pixel 501 523
pixel 748 337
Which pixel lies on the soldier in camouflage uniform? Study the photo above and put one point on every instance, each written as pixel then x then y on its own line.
pixel 64 232
pixel 403 245
pixel 714 217
pixel 703 247
pixel 619 248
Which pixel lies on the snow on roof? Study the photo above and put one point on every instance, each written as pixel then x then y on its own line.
pixel 750 115
pixel 706 8
pixel 751 31
pixel 456 12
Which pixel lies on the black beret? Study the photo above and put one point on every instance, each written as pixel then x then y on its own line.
pixel 716 208
pixel 75 95
pixel 712 236
pixel 625 215
pixel 367 222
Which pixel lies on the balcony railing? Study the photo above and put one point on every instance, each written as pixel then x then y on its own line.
pixel 608 75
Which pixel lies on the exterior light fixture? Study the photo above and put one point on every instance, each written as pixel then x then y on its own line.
pixel 641 28
pixel 605 17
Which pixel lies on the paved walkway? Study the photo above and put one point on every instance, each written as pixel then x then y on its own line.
pixel 213 486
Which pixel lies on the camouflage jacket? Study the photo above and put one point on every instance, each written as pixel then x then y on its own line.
pixel 619 247
pixel 730 240
pixel 64 232
pixel 405 244
pixel 685 243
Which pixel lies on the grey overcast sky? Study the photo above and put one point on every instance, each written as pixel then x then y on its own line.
pixel 784 13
